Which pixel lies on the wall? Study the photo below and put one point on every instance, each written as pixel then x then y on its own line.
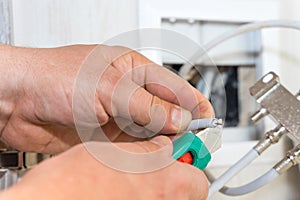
pixel 50 23
pixel 290 47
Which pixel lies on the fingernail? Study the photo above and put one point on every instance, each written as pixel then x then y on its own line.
pixel 181 118
pixel 161 140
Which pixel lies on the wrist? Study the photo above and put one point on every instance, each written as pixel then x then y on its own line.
pixel 10 81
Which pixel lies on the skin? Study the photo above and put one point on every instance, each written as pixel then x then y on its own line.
pixel 63 178
pixel 36 114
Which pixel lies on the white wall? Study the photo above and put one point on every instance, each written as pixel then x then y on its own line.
pixel 290 47
pixel 48 23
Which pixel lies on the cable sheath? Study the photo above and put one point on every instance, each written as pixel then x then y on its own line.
pixel 202 123
pixel 232 171
pixel 252 186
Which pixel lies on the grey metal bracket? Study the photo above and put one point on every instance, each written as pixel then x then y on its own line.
pixel 277 101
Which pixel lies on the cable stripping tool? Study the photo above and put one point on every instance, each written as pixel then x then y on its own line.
pixel 195 147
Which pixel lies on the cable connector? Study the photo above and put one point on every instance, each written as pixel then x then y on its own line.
pixel 292 158
pixel 271 137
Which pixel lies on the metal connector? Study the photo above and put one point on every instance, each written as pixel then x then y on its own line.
pixel 292 158
pixel 278 102
pixel 259 115
pixel 271 137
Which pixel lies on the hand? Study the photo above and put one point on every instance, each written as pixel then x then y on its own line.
pixel 36 95
pixel 75 174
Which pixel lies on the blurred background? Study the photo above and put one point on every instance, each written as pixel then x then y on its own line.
pixel 241 61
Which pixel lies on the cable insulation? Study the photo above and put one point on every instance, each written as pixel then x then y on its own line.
pixel 204 123
pixel 252 186
pixel 232 171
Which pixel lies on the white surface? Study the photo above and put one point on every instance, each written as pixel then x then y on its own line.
pixel 212 10
pixel 290 47
pixel 50 23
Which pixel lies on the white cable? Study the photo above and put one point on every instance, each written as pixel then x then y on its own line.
pixel 185 69
pixel 252 186
pixel 232 171
pixel 204 123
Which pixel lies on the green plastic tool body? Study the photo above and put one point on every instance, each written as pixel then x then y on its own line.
pixel 189 142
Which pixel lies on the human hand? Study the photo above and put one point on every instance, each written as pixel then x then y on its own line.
pixel 76 174
pixel 37 98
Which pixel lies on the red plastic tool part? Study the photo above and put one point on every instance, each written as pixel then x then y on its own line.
pixel 186 158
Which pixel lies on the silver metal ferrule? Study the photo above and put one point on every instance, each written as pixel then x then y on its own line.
pixel 292 158
pixel 271 137
pixel 259 115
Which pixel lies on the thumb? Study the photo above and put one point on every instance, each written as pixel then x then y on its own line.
pixel 157 114
pixel 144 156
pixel 156 143
pixel 132 101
